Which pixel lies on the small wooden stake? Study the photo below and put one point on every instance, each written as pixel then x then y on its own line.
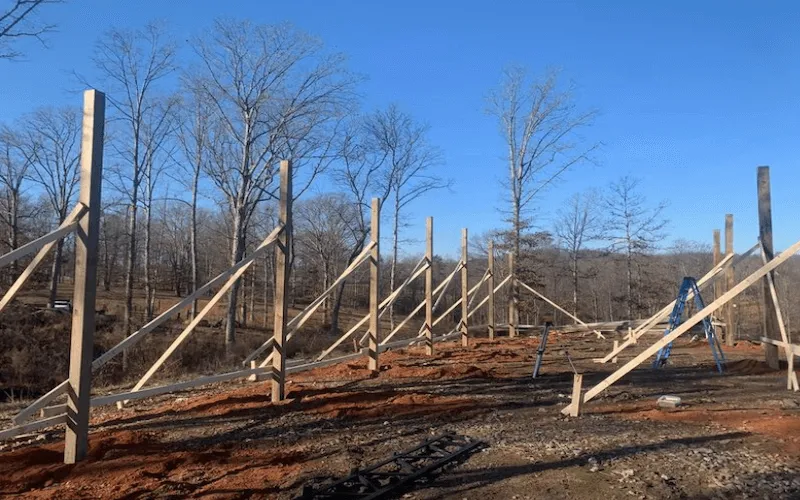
pixel 769 315
pixel 280 304
pixel 616 346
pixel 464 290
pixel 729 312
pixel 76 441
pixel 490 297
pixel 513 297
pixel 428 327
pixel 374 287
pixel 577 395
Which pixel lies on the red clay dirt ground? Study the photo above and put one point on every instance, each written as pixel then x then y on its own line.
pixel 736 436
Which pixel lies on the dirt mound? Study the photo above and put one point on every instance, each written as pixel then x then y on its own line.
pixel 748 367
pixel 390 404
pixel 356 370
pixel 438 372
pixel 125 464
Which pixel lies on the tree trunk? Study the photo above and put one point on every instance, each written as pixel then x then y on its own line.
pixel 129 273
pixel 326 280
pixel 148 278
pixel 252 308
pixel 630 283
pixel 106 256
pixel 193 237
pixel 14 236
pixel 395 242
pixel 339 295
pixel 243 298
pixel 237 253
pixel 55 272
pixel 575 285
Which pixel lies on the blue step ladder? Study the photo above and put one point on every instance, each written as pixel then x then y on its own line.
pixel 676 317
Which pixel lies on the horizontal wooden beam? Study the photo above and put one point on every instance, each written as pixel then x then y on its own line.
pixel 320 364
pixel 599 335
pixel 33 426
pixel 40 403
pixel 38 243
pixel 795 349
pixel 72 218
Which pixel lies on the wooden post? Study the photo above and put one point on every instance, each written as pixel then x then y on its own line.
pixel 717 258
pixel 374 286
pixel 464 290
pixel 76 441
pixel 729 312
pixel 768 313
pixel 428 327
pixel 513 297
pixel 490 297
pixel 577 395
pixel 616 346
pixel 280 303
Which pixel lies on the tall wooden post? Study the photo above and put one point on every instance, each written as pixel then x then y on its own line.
pixel 769 318
pixel 464 289
pixel 717 258
pixel 280 303
pixel 730 281
pixel 513 296
pixel 374 285
pixel 76 441
pixel 428 327
pixel 490 284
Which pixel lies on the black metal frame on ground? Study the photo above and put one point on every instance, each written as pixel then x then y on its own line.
pixel 399 472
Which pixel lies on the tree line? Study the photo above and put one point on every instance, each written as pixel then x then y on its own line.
pixel 190 179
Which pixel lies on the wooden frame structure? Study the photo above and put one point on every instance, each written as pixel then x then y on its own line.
pixel 84 222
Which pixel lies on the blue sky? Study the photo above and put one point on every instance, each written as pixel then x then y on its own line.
pixel 692 95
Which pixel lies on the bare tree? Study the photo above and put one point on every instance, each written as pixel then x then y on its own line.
pixel 541 126
pixel 274 94
pixel 410 160
pixel 14 165
pixel 362 173
pixel 632 227
pixel 193 137
pixel 156 151
pixel 577 224
pixel 132 63
pixel 323 231
pixel 20 20
pixel 53 144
